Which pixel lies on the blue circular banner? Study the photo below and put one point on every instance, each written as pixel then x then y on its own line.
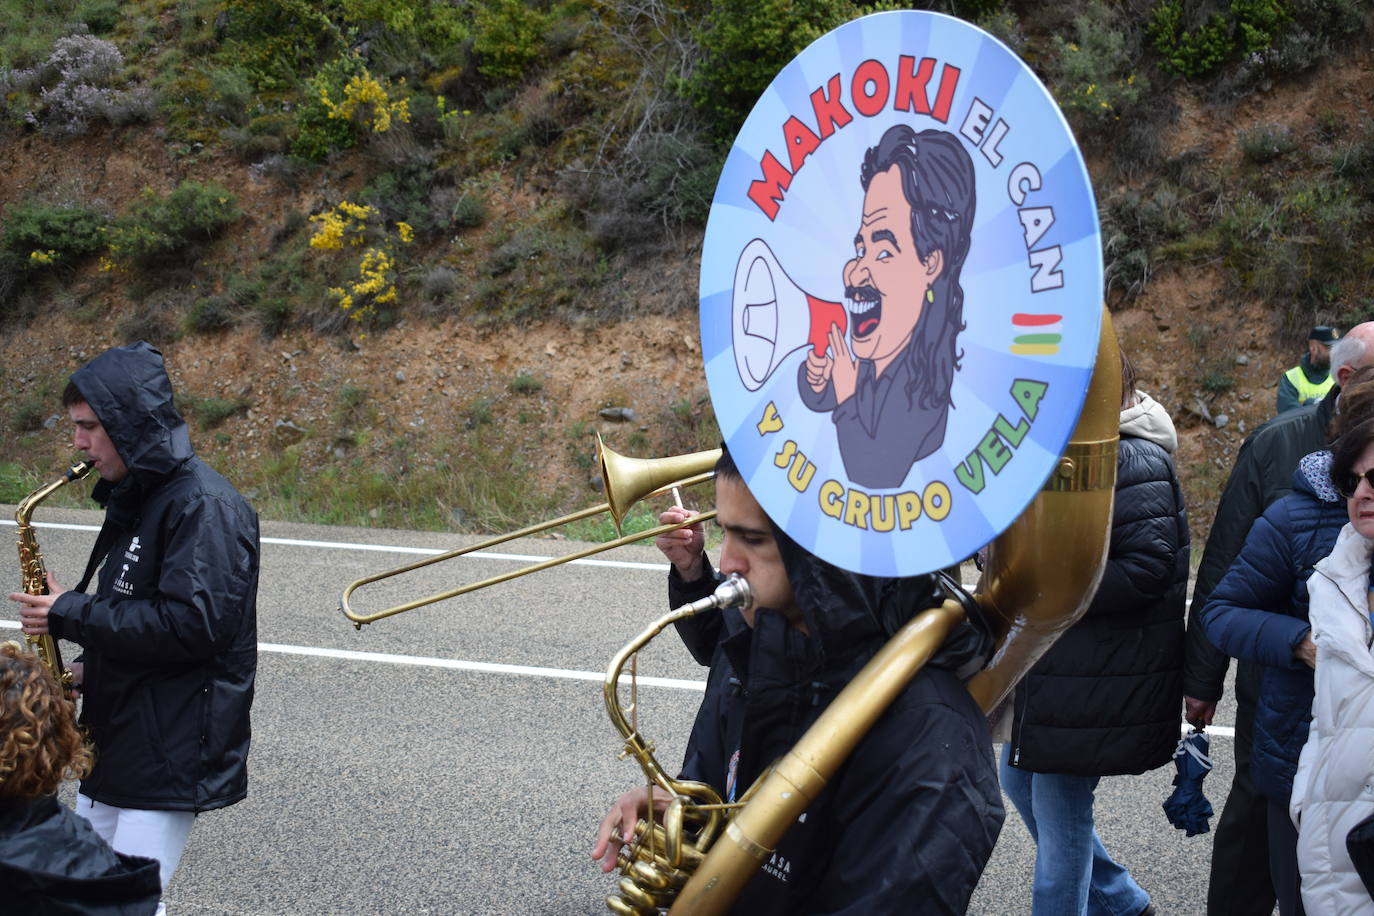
pixel 901 293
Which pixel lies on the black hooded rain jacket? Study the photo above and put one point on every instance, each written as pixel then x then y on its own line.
pixel 908 822
pixel 170 635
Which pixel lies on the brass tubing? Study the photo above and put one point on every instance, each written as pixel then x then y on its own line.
pixel 796 779
pixel 626 482
pixel 360 619
pixel 1042 572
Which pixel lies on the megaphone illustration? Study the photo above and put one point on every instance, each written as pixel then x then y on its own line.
pixel 774 317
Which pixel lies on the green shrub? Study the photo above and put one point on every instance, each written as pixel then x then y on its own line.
pixel 211 315
pixel 277 41
pixel 1298 247
pixel 1096 77
pixel 273 315
pixel 509 37
pixel 478 413
pixel 150 324
pixel 158 230
pixel 1194 49
pixel 1266 142
pixel 1354 160
pixel 38 234
pixel 745 43
pixel 15 482
pixel 212 412
pixel 469 212
pixel 1218 381
pixel 318 134
pixel 229 94
pixel 100 16
pixel 1139 228
pixel 351 396
pixel 526 383
pixel 29 415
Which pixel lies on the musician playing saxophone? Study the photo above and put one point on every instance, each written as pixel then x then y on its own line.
pixel 169 637
pixel 908 822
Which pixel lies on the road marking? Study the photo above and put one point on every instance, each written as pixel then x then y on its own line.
pixel 453 664
pixel 486 667
pixel 391 548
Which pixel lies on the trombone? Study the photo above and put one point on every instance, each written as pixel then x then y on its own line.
pixel 626 481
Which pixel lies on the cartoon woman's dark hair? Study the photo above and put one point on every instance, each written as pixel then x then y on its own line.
pixel 938 183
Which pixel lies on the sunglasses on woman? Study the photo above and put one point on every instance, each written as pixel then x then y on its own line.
pixel 1349 483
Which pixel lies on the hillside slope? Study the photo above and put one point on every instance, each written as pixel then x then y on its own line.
pixel 486 424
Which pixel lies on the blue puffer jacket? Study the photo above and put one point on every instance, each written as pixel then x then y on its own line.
pixel 1258 613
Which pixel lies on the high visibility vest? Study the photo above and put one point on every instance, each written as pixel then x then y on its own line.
pixel 1309 391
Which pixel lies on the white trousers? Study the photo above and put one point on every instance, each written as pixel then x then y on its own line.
pixel 160 835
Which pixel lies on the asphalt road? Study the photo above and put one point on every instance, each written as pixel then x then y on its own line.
pixel 456 759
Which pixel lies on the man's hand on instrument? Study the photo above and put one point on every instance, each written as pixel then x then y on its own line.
pixel 34 614
pixel 78 670
pixel 685 548
pixel 618 826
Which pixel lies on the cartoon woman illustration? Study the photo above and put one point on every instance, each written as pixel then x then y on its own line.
pixel 888 387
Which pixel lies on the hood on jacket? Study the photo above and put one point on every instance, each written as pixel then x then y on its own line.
pixel 1147 419
pixel 1313 477
pixel 850 614
pixel 128 389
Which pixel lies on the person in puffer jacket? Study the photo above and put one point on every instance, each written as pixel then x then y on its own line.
pixel 1107 698
pixel 1258 613
pixel 170 635
pixel 1333 789
pixel 908 822
pixel 51 861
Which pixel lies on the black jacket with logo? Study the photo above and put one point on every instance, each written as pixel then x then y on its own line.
pixel 170 635
pixel 908 822
pixel 53 863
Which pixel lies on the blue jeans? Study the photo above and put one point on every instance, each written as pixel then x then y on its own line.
pixel 1074 874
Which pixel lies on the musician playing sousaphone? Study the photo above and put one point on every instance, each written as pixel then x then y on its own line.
pixel 170 635
pixel 916 812
pixel 881 422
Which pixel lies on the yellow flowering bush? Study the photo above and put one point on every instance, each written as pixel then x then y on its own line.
pixel 364 91
pixel 373 281
pixel 346 223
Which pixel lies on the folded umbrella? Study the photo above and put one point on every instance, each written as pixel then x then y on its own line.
pixel 1187 808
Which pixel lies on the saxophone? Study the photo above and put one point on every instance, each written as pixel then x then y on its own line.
pixel 31 570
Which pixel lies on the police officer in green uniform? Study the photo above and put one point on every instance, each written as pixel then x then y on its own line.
pixel 1310 380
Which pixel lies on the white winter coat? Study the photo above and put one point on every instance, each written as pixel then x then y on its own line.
pixel 1334 786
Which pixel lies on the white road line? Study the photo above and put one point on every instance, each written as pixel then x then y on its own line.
pixel 487 667
pixel 390 548
pixel 1221 731
pixel 453 664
